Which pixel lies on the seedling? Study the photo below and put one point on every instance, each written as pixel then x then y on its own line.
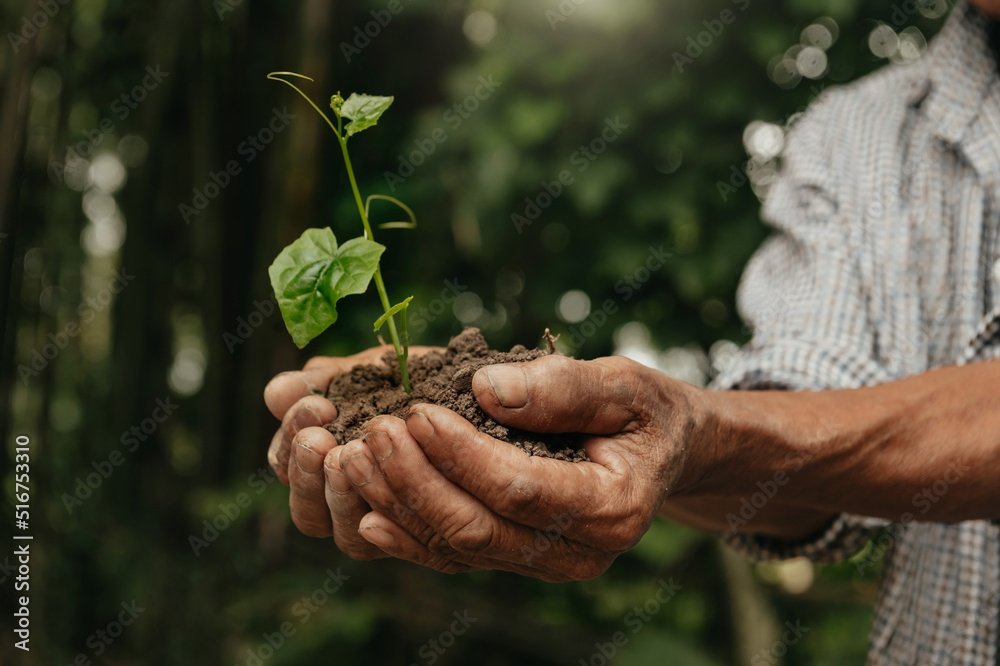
pixel 312 274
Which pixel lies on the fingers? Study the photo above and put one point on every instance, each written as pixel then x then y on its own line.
pixel 285 389
pixel 307 500
pixel 399 543
pixel 288 388
pixel 311 412
pixel 406 536
pixel 346 509
pixel 526 489
pixel 558 394
pixel 362 471
pixel 458 523
pixel 393 540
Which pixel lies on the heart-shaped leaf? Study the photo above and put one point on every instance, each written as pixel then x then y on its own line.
pixel 362 110
pixel 313 273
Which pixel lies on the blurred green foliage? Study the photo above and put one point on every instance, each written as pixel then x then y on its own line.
pixel 192 325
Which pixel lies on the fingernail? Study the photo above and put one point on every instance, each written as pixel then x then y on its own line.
pixel 336 481
pixel 380 443
pixel 310 388
pixel 377 536
pixel 307 460
pixel 420 427
pixel 510 385
pixel 307 418
pixel 359 469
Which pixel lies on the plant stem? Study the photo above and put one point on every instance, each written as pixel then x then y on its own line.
pixel 402 349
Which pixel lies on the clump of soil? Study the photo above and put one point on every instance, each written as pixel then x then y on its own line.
pixel 441 379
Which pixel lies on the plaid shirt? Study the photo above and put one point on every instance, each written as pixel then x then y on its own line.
pixel 885 265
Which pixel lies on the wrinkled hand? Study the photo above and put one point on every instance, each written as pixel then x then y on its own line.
pixel 305 456
pixel 446 496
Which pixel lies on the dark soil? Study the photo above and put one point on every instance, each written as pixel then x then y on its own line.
pixel 441 379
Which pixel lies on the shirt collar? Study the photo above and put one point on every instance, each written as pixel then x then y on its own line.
pixel 961 68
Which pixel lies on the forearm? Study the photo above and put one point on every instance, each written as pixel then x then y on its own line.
pixel 924 448
pixel 754 514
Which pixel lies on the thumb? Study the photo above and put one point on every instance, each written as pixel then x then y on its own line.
pixel 559 394
pixel 288 388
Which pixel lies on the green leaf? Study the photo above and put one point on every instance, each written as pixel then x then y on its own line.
pixel 380 322
pixel 313 273
pixel 363 110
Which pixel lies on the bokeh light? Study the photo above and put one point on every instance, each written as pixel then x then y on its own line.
pixel 573 306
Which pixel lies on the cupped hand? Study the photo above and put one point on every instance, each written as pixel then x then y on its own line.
pixel 305 456
pixel 447 496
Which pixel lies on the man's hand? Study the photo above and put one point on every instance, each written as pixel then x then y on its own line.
pixel 446 496
pixel 305 456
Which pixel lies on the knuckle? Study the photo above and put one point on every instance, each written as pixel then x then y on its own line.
pixel 557 367
pixel 622 375
pixel 317 362
pixel 444 561
pixel 520 496
pixel 311 527
pixel 411 502
pixel 402 512
pixel 357 548
pixel 279 467
pixel 623 534
pixel 437 544
pixel 624 385
pixel 474 536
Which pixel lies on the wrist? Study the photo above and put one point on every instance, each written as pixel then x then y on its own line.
pixel 690 450
pixel 749 440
